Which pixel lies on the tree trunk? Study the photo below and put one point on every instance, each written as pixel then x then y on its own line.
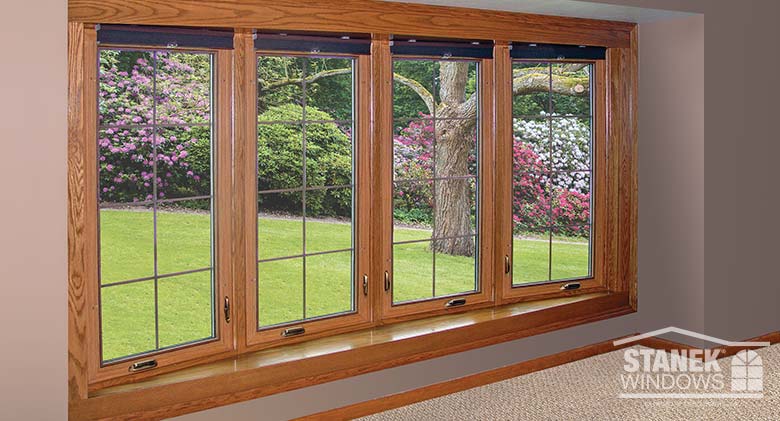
pixel 454 141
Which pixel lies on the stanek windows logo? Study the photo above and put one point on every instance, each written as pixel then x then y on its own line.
pixel 690 373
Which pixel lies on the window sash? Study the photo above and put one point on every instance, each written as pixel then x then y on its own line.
pixel 291 331
pixel 392 309
pixel 108 372
pixel 602 212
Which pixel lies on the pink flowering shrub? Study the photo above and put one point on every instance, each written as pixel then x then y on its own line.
pixel 129 149
pixel 413 160
pixel 539 198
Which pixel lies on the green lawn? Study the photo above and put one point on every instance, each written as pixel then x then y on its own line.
pixel 184 303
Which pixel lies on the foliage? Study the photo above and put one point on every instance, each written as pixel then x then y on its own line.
pixel 332 94
pixel 413 160
pixel 541 198
pixel 280 162
pixel 135 160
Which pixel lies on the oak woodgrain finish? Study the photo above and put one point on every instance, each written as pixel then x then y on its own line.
pixel 322 360
pixel 483 296
pixel 606 222
pixel 82 265
pixel 364 16
pixel 244 185
pixel 105 375
pixel 361 317
pixel 622 129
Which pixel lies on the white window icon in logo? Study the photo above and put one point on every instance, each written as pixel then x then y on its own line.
pixel 747 372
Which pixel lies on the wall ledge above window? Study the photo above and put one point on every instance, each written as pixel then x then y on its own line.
pixel 327 359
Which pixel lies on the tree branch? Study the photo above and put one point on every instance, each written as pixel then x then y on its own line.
pixel 564 84
pixel 415 86
pixel 420 90
pixel 297 81
pixel 535 82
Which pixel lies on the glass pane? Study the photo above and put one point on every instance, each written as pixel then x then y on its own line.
pixel 571 149
pixel 531 199
pixel 328 220
pixel 126 88
pixel 184 162
pixel 413 88
pixel 328 284
pixel 183 88
pixel 552 163
pixel 532 146
pixel 310 153
pixel 456 274
pixel 183 237
pixel 455 210
pixel 127 319
pixel 280 225
pixel 531 255
pixel 413 149
pixel 455 82
pixel 412 271
pixel 435 171
pixel 531 81
pixel 412 210
pixel 154 152
pixel 456 148
pixel 279 156
pixel 571 199
pixel 328 155
pixel 571 89
pixel 125 165
pixel 280 291
pixel 185 308
pixel 280 95
pixel 126 244
pixel 570 252
pixel 330 89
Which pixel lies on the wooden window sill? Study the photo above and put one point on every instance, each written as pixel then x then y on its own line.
pixel 322 360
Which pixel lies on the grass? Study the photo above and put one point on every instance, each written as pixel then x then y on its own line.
pixel 184 301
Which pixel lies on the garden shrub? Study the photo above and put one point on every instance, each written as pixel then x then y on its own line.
pixel 127 154
pixel 280 162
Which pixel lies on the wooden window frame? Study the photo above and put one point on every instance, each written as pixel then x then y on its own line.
pixel 222 342
pixel 241 369
pixel 361 316
pixel 483 296
pixel 603 242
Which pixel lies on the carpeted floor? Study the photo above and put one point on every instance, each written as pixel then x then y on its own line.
pixel 588 390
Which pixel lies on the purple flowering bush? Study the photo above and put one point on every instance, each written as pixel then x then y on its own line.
pixel 138 89
pixel 539 199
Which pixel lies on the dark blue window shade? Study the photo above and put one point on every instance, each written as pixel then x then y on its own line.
pixel 312 44
pixel 557 52
pixel 169 37
pixel 445 49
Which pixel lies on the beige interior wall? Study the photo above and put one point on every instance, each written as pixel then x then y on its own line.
pixel 740 229
pixel 33 244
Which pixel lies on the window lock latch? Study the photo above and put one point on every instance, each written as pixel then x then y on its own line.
pixel 571 286
pixel 365 284
pixel 227 309
pixel 387 281
pixel 143 365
